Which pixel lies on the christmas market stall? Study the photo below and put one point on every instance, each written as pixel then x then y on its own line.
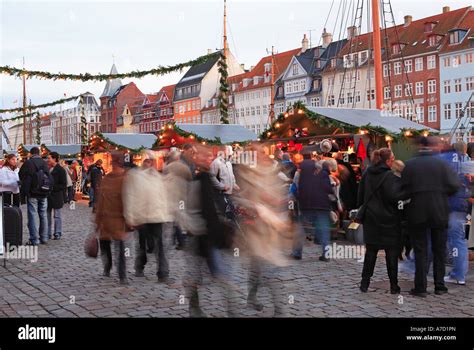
pixel 176 135
pixel 132 145
pixel 345 130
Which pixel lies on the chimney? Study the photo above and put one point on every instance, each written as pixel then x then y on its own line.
pixel 251 68
pixel 351 32
pixel 304 44
pixel 446 9
pixel 408 19
pixel 327 38
pixel 209 51
pixel 242 65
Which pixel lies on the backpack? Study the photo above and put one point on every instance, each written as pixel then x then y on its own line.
pixel 42 183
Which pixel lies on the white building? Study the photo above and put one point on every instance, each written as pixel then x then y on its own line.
pixel 66 123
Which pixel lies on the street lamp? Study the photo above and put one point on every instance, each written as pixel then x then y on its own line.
pixel 462 130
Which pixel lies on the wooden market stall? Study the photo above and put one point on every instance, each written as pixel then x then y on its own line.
pixel 349 130
pixel 132 145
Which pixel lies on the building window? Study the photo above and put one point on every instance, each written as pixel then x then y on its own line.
pixel 386 92
pixel 288 87
pixel 295 69
pixel 418 64
pixel 398 91
pixel 470 83
pixel 257 110
pixel 247 111
pixel 447 61
pixel 408 66
pixel 295 86
pixel 419 88
pixel 431 86
pixel 409 89
pixel 458 109
pixel 331 100
pixel 409 112
pixel 303 85
pixel 252 111
pixel 315 101
pixel 457 61
pixel 350 98
pixel 331 82
pixel 469 57
pixel 371 95
pixel 457 85
pixel 420 113
pixel 342 100
pixel 456 36
pixel 447 111
pixel 447 86
pixel 431 114
pixel 357 96
pixel 431 62
pixel 397 68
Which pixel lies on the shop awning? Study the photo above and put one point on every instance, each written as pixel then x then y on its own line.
pixel 360 117
pixel 131 141
pixel 226 133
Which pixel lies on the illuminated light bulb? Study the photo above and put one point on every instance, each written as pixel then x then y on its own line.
pixel 407 133
pixel 286 115
pixel 258 139
pixel 388 138
pixel 191 137
pixel 300 111
pixel 203 142
pixel 425 134
pixel 277 125
pixel 269 134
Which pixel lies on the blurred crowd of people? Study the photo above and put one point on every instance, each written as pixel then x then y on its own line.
pixel 215 209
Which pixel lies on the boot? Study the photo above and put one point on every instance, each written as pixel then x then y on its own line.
pixel 364 285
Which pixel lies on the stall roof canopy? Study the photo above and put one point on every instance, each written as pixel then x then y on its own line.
pixel 62 150
pixel 227 133
pixel 360 117
pixel 132 141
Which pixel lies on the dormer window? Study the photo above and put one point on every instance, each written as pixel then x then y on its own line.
pixel 456 36
pixel 429 26
pixel 434 40
pixel 333 63
pixel 246 82
pixel 397 48
pixel 364 55
pixel 318 64
pixel 295 69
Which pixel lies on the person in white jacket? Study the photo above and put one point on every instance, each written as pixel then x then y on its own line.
pixel 10 181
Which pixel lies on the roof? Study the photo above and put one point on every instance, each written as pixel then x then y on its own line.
pixel 196 73
pixel 227 133
pixel 282 60
pixel 361 117
pixel 112 85
pixel 131 141
pixel 168 91
pixel 152 98
pixel 62 150
pixel 468 41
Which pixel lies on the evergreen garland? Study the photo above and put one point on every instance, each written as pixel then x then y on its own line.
pixel 160 70
pixel 33 107
pixel 223 89
pixel 38 129
pixel 83 122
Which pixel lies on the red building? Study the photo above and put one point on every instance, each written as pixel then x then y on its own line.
pixel 411 67
pixel 113 100
pixel 156 110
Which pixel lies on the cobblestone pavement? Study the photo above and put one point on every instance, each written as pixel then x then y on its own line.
pixel 64 283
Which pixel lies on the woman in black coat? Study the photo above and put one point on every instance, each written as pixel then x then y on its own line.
pixel 379 192
pixel 56 197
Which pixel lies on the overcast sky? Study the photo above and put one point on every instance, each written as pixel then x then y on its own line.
pixel 86 36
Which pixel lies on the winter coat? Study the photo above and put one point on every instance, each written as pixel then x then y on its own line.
pixel 460 200
pixel 428 181
pixel 314 189
pixel 9 180
pixel 96 174
pixel 177 178
pixel 56 196
pixel 222 175
pixel 146 198
pixel 382 219
pixel 109 218
pixel 28 171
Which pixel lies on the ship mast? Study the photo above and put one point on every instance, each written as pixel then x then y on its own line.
pixel 377 55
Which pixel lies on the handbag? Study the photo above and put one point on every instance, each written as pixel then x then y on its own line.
pixel 91 245
pixel 363 208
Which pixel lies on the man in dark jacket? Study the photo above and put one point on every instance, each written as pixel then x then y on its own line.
pixel 35 197
pixel 428 182
pixel 314 188
pixel 95 174
pixel 56 197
